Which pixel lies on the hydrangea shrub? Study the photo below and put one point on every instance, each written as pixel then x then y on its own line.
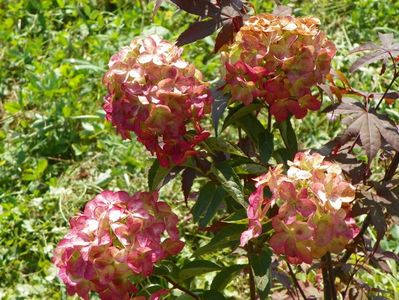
pixel 301 207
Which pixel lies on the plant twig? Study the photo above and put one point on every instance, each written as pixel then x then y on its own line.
pixel 392 167
pixel 296 281
pixel 395 76
pixel 328 285
pixel 252 287
pixel 331 276
pixel 181 288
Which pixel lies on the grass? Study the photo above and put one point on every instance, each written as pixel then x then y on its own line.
pixel 56 150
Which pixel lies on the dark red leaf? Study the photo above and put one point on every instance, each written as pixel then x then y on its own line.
pixel 378 221
pixel 197 31
pixel 225 35
pixel 366 125
pixel 202 8
pixel 188 177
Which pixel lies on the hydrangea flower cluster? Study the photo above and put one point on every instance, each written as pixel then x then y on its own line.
pixel 117 237
pixel 314 211
pixel 155 94
pixel 278 59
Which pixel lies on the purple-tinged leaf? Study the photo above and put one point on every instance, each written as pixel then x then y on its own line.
pixel 282 11
pixel 378 221
pixel 387 50
pixel 365 47
pixel 386 39
pixel 369 126
pixel 225 35
pixel 188 177
pixel 202 8
pixel 368 59
pixel 197 31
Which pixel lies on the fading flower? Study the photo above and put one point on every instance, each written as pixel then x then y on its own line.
pixel 311 219
pixel 158 96
pixel 117 237
pixel 278 59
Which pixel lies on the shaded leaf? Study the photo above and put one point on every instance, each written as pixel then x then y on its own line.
pixel 260 265
pixel 218 106
pixel 197 267
pixel 209 199
pixel 188 177
pixel 213 295
pixel 265 146
pixel 223 278
pixel 378 221
pixel 158 176
pixel 289 137
pixel 220 145
pixel 228 236
pixel 240 112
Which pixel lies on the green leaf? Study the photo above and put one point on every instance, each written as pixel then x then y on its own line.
pixel 209 199
pixel 251 125
pixel 12 107
pixel 230 183
pixel 220 145
pixel 218 106
pixel 260 265
pixel 212 295
pixel 197 267
pixel 289 137
pixel 158 176
pixel 223 278
pixel 228 236
pixel 265 146
pixel 240 112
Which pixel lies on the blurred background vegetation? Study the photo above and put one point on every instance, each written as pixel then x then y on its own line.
pixel 56 150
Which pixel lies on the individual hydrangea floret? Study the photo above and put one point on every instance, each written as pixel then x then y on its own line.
pixel 278 59
pixel 158 96
pixel 314 209
pixel 116 238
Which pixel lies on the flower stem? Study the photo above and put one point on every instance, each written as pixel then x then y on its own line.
pixel 328 278
pixel 296 281
pixel 252 287
pixel 181 288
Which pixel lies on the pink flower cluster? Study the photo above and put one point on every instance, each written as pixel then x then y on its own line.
pixel 116 237
pixel 314 211
pixel 278 60
pixel 155 94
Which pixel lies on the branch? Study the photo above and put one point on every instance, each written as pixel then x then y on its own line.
pixel 395 76
pixel 252 287
pixel 179 287
pixel 296 281
pixel 392 167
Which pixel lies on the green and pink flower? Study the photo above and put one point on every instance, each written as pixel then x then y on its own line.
pixel 117 237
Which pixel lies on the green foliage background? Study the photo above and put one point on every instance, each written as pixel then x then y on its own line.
pixel 56 151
